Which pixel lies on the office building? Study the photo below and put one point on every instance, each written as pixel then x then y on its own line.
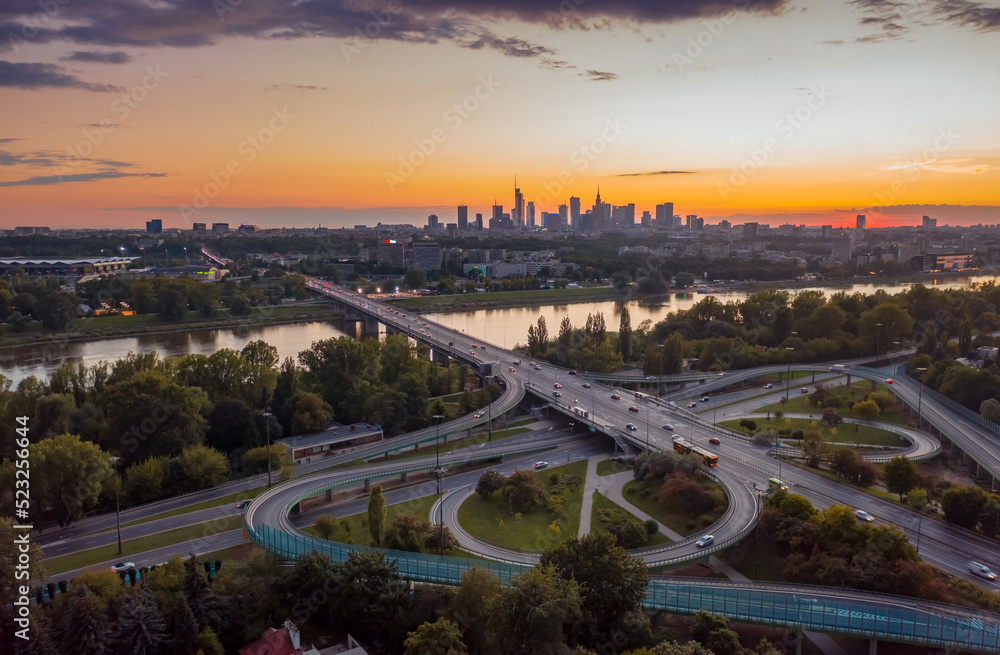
pixel 432 223
pixel 647 219
pixel 392 252
pixel 750 231
pixel 928 222
pixel 479 221
pixel 826 231
pixel 517 213
pixel 841 249
pixel 220 228
pixel 860 222
pixel 199 228
pixel 426 256
pixel 691 218
pixel 574 210
pixel 154 226
pixel 531 214
pixel 665 215
pixel 247 229
pixel 463 218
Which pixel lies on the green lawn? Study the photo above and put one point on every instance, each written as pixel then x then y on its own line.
pixel 353 529
pixel 799 403
pixel 674 516
pixel 608 467
pixel 134 547
pixel 866 434
pixel 482 518
pixel 602 502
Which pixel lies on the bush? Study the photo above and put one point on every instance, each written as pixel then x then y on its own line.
pixel 652 527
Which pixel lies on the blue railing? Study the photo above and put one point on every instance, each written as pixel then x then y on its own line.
pixel 796 606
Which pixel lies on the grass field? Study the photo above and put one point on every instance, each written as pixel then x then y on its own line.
pixel 462 301
pixel 134 547
pixel 353 529
pixel 602 502
pixel 482 518
pixel 674 516
pixel 608 467
pixel 799 403
pixel 866 434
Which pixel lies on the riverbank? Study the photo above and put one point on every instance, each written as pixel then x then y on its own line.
pixel 88 329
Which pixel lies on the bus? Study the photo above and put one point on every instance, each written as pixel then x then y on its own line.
pixel 685 447
pixel 775 483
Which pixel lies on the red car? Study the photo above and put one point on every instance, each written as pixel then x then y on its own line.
pixel 715 441
pixel 558 386
pixel 889 381
pixel 572 372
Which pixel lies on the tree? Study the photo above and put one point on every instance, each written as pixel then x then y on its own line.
pixel 683 280
pixel 440 638
pixel 885 323
pixel 613 583
pixel 170 304
pixel 196 591
pixel 469 604
pixel 845 462
pixel 146 480
pixel 85 628
pixel 57 310
pixel 866 410
pixel 530 615
pixel 813 447
pixel 714 633
pixel 376 514
pixel 625 335
pixel 370 596
pixel 415 279
pixel 309 413
pixel 832 417
pixel 256 459
pixel 673 354
pixel 141 624
pixel 538 337
pixel 990 409
pixel 231 426
pixel 565 337
pixel 748 424
pixel 68 474
pixel 900 476
pixel 490 482
pixel 917 499
pixel 326 526
pixel 962 505
pixel 197 467
pixel 524 491
pixel 965 337
pixel 208 642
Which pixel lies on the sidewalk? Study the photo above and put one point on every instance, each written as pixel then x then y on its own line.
pixel 590 485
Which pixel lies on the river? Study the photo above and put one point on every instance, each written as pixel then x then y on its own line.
pixel 502 327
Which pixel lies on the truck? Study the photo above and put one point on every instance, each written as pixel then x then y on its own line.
pixel 580 411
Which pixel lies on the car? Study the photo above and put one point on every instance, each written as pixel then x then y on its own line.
pixel 889 381
pixel 483 347
pixel 541 465
pixel 242 504
pixel 804 390
pixel 615 396
pixel 714 441
pixel 864 516
pixel 704 399
pixel 650 377
pixel 513 370
pixel 532 364
pixel 768 386
pixel 538 368
pixel 477 415
pixel 722 375
pixel 516 362
pixel 633 408
pixel 631 426
pixel 472 352
pixel 572 372
pixel 982 571
pixel 668 427
pixel 556 394
pixel 705 541
pixel 690 405
pixel 586 386
pixel 123 566
pixel 557 385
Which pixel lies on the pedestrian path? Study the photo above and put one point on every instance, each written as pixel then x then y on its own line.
pixel 613 489
pixel 590 485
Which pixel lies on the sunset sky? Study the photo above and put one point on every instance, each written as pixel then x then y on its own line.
pixel 112 113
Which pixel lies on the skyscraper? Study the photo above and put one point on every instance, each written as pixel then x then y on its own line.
pixel 574 211
pixel 496 221
pixel 665 215
pixel 517 213
pixel 531 214
pixel 154 226
pixel 479 221
pixel 750 231
pixel 860 222
pixel 463 217
pixel 432 223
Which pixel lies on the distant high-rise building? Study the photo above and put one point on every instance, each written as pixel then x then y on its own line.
pixel 841 249
pixel 531 214
pixel 517 213
pixel 750 231
pixel 725 225
pixel 432 223
pixel 826 231
pixel 563 217
pixel 860 222
pixel 463 218
pixel 697 224
pixel 928 222
pixel 220 228
pixel 691 218
pixel 574 210
pixel 426 256
pixel 665 215
pixel 198 228
pixel 154 226
pixel 479 221
pixel 392 252
pixel 647 219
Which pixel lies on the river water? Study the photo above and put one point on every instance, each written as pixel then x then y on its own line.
pixel 502 327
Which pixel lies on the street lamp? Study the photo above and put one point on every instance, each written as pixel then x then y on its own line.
pixel 118 510
pixel 267 423
pixel 437 474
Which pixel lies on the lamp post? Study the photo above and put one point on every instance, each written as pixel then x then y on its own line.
pixel 118 511
pixel 437 474
pixel 267 424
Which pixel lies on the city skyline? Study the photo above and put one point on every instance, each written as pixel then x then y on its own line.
pixel 776 111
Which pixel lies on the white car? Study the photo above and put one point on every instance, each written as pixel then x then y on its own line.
pixel 863 516
pixel 541 465
pixel 123 566
pixel 982 571
pixel 705 541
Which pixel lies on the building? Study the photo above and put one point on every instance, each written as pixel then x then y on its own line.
pixel 246 228
pixel 70 267
pixel 860 222
pixel 947 262
pixel 288 641
pixel 665 215
pixel 392 252
pixel 304 448
pixel 531 214
pixel 574 210
pixel 21 231
pixel 198 228
pixel 426 256
pixel 199 273
pixel 496 221
pixel 841 249
pixel 826 231
pixel 750 231
pixel 154 226
pixel 498 270
pixel 647 219
pixel 479 221
pixel 220 228
pixel 463 218
pixel 432 223
pixel 928 222
pixel 517 213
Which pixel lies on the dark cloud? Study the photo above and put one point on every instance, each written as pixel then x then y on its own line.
pixel 44 180
pixel 895 18
pixel 94 57
pixel 9 140
pixel 26 158
pixel 194 23
pixel 39 76
pixel 600 76
pixel 969 14
pixel 655 173
pixel 549 63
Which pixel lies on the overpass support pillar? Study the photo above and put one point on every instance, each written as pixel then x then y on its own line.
pixel 873 385
pixel 814 377
pixel 439 357
pixel 872 646
pixel 367 486
pixel 402 476
pixel 329 495
pixel 848 379
pixel 295 510
pixel 798 642
pixel 371 327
